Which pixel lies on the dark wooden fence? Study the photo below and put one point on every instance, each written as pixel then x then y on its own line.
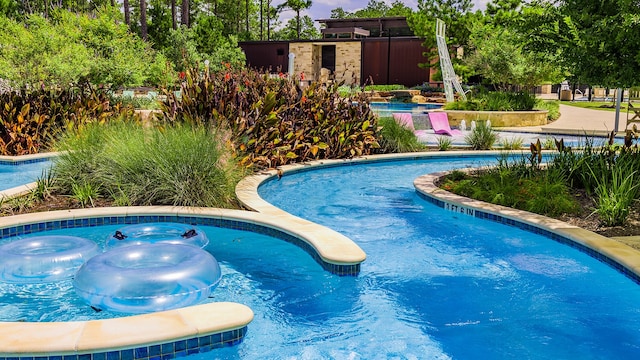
pixel 393 61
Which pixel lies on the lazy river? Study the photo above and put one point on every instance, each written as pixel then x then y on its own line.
pixel 435 284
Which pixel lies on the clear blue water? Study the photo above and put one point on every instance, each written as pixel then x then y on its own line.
pixel 24 173
pixel 385 109
pixel 435 285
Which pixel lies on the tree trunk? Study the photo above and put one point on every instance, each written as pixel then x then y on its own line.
pixel 143 19
pixel 185 13
pixel 246 6
pixel 261 20
pixel 298 23
pixel 174 15
pixel 127 20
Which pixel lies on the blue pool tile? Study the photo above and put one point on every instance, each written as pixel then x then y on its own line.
pixel 113 355
pixel 99 356
pixel 168 348
pixel 192 343
pixel 154 350
pixel 126 354
pixel 180 345
pixel 141 353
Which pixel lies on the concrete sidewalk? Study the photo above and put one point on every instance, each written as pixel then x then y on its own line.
pixel 579 121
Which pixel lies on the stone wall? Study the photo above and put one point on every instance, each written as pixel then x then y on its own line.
pixel 308 58
pixel 348 62
pixel 303 62
pixel 499 118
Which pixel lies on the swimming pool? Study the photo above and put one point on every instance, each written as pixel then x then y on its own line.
pixel 441 285
pixel 385 109
pixel 16 173
pixel 435 284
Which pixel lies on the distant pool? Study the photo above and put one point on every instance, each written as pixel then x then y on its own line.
pixel 16 173
pixel 384 109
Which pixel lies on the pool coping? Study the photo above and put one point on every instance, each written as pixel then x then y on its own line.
pixel 620 256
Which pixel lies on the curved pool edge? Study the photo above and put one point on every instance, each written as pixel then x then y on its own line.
pixel 620 256
pixel 200 327
pixel 330 245
pixel 167 334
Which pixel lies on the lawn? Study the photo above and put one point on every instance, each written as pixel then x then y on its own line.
pixel 597 105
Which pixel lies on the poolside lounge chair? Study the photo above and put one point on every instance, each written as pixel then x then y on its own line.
pixel 440 124
pixel 406 120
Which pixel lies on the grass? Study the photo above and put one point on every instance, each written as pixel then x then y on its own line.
pixel 597 105
pixel 608 174
pixel 397 138
pixel 133 165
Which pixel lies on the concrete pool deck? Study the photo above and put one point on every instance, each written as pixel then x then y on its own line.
pixel 575 120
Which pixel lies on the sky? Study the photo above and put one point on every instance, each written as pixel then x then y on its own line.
pixel 321 9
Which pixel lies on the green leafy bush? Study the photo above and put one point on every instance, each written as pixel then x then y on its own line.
pixel 553 108
pixel 271 121
pixel 136 165
pixel 76 48
pixel 30 120
pixel 539 192
pixel 496 101
pixel 389 87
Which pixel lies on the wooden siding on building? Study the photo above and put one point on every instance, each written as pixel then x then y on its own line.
pixel 393 61
pixel 380 61
pixel 267 55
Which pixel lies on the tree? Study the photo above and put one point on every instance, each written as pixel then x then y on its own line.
pixel 596 39
pixel 339 13
pixel 308 31
pixel 297 6
pixel 455 14
pixel 497 53
pixel 374 9
pixel 73 48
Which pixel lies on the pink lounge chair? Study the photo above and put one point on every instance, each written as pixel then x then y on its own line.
pixel 406 120
pixel 440 124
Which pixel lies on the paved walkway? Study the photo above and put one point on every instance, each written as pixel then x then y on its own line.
pixel 579 121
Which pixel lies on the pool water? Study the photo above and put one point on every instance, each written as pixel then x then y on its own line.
pixel 441 285
pixel 435 285
pixel 12 175
pixel 385 109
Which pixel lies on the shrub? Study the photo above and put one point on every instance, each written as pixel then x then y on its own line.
pixel 553 108
pixel 396 138
pixel 512 144
pixel 30 121
pixel 389 87
pixel 176 165
pixel 75 48
pixel 482 137
pixel 271 121
pixel 496 101
pixel 444 143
